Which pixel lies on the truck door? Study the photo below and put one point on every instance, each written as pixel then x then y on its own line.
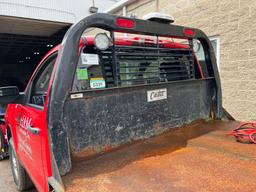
pixel 32 129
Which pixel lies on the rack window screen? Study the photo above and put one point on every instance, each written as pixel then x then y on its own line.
pixel 122 66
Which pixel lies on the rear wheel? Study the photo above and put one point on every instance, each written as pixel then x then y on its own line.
pixel 19 174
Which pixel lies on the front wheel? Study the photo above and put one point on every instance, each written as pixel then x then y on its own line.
pixel 19 174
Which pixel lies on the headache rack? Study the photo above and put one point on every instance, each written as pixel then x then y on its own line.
pixel 84 122
pixel 135 65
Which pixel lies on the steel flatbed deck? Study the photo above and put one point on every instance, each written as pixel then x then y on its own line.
pixel 197 157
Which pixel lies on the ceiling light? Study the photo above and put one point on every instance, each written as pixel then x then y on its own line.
pixel 93 9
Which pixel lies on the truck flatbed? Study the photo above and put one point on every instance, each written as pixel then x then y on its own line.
pixel 197 157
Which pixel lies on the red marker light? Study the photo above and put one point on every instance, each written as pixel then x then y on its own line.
pixel 125 23
pixel 189 32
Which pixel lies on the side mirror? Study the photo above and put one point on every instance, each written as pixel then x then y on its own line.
pixel 8 94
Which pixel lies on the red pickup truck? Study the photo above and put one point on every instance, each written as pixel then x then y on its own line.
pixel 125 95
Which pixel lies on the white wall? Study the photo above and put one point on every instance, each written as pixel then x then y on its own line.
pixel 67 11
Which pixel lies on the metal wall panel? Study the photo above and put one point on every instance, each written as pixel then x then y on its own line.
pixel 66 11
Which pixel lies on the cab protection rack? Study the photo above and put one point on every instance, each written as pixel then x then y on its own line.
pixel 68 59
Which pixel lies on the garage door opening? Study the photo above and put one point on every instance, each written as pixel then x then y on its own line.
pixel 23 43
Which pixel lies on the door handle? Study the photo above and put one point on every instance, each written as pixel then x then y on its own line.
pixel 33 130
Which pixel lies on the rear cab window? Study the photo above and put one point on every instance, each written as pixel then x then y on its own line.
pixel 135 60
pixel 89 72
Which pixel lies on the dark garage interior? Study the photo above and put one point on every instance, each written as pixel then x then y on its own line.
pixel 23 43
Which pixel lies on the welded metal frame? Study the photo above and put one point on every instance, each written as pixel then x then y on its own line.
pixel 66 66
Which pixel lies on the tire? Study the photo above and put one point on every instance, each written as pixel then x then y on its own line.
pixel 2 146
pixel 20 176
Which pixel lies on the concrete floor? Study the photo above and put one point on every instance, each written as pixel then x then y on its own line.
pixel 6 181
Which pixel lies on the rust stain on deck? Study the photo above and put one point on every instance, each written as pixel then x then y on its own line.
pixel 197 158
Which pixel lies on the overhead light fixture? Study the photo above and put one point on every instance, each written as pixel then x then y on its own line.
pixel 27 57
pixel 49 45
pixel 21 61
pixel 93 8
pixel 36 53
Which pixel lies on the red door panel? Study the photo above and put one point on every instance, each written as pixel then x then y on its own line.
pixel 29 137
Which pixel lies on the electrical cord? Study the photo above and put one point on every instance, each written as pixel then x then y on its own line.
pixel 245 132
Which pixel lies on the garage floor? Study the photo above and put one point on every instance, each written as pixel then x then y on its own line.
pixel 6 181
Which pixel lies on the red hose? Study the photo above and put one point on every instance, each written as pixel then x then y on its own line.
pixel 245 132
